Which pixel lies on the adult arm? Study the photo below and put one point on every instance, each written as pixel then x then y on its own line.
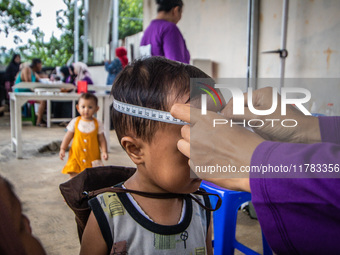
pixel 298 215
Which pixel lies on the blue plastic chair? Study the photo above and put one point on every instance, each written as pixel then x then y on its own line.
pixel 225 219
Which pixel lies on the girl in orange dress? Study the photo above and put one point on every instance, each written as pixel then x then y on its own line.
pixel 88 136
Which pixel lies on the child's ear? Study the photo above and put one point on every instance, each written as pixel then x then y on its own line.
pixel 77 107
pixel 97 109
pixel 134 149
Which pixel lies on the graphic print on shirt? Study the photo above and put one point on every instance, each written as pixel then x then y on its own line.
pixel 164 242
pixel 112 205
pixel 119 248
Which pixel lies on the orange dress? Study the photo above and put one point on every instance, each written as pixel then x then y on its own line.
pixel 84 150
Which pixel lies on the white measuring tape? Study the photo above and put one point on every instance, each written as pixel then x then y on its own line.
pixel 146 113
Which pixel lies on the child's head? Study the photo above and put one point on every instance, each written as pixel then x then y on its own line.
pixel 155 83
pixel 87 105
pixel 15 230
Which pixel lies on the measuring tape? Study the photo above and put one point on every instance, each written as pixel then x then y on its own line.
pixel 146 113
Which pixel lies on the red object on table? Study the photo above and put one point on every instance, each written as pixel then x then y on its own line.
pixel 81 87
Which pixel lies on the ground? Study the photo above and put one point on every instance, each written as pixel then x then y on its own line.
pixel 36 179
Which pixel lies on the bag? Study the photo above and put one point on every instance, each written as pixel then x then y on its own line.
pixel 89 180
pixel 94 181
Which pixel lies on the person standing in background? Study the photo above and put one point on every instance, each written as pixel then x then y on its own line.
pixel 117 65
pixel 10 73
pixel 162 37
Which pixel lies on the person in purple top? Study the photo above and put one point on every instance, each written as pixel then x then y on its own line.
pixel 299 214
pixel 162 37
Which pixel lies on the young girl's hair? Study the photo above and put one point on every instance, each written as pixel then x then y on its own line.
pixel 155 83
pixel 89 96
pixel 167 5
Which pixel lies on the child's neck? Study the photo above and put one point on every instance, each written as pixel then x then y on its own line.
pixel 87 119
pixel 161 211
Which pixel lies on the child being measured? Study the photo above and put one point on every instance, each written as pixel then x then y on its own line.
pixel 130 223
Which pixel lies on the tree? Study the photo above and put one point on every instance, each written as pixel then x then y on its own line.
pixel 65 22
pixel 55 52
pixel 15 15
pixel 59 51
pixel 131 17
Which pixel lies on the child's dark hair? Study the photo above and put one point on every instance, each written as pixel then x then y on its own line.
pixel 167 5
pixel 89 96
pixel 155 83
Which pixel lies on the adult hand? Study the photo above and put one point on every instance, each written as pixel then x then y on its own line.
pixel 222 145
pixel 307 130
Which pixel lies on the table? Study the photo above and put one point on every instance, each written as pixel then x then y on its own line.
pixel 18 99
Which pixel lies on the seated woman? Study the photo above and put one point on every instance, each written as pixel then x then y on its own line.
pixel 30 74
pixel 79 72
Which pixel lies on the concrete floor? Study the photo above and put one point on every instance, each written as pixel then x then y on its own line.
pixel 36 179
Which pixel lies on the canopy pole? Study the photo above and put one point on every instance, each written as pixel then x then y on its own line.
pixel 284 40
pixel 76 31
pixel 86 30
pixel 115 21
pixel 252 42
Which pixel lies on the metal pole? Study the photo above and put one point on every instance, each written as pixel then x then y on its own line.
pixel 254 36
pixel 115 20
pixel 76 32
pixel 86 30
pixel 283 40
pixel 252 44
pixel 248 40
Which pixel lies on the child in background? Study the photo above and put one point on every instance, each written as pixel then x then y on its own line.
pixel 87 134
pixel 127 223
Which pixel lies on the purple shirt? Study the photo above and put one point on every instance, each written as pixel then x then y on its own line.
pixel 166 40
pixel 300 215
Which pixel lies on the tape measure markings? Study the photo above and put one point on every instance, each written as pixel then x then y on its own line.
pixel 146 113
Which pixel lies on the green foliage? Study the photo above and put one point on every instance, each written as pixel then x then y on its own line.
pixel 15 15
pixel 57 52
pixel 131 17
pixel 52 53
pixel 65 22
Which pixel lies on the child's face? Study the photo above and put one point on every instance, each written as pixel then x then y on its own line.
pixel 165 165
pixel 87 108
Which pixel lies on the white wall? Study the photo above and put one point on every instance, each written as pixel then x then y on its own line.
pixel 98 75
pixel 216 30
pixel 313 39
